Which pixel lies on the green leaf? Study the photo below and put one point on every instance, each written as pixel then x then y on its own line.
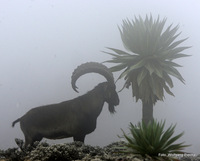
pixel 175 56
pixel 117 67
pixel 167 78
pixel 138 65
pixel 142 74
pixel 174 72
pixel 168 90
pixel 149 67
pixel 170 63
pixel 172 54
pixel 175 44
pixel 114 55
pixel 159 72
pixel 120 52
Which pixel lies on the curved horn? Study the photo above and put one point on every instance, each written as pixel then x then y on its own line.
pixel 91 67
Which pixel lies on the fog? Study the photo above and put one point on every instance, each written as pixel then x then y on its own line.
pixel 42 42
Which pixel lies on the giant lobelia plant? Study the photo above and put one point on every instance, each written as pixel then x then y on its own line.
pixel 148 63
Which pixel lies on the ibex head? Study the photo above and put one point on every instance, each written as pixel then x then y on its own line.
pixel 109 88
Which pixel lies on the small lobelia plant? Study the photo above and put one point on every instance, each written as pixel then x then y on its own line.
pixel 152 140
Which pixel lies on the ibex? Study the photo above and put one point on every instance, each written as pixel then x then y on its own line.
pixel 73 118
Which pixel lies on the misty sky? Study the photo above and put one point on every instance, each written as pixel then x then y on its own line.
pixel 42 42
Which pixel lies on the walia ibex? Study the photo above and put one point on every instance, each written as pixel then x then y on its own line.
pixel 73 118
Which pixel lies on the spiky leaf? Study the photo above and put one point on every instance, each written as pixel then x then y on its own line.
pixel 151 139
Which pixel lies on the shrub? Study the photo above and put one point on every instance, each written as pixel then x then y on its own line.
pixel 152 140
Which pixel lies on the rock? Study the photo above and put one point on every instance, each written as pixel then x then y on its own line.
pixel 76 151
